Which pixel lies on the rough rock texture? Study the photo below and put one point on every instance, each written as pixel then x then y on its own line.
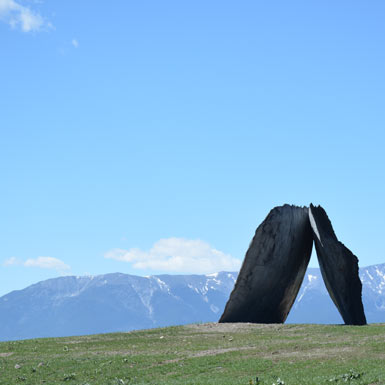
pixel 273 269
pixel 339 268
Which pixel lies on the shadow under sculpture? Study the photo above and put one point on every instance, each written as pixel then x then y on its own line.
pixel 276 261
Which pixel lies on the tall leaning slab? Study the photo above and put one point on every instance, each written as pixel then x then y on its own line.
pixel 273 268
pixel 339 268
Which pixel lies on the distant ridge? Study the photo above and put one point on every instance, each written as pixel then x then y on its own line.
pixel 120 302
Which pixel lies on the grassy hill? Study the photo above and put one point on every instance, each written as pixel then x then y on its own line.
pixel 202 354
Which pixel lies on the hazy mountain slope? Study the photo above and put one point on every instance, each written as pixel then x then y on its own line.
pixel 313 304
pixel 112 302
pixel 120 302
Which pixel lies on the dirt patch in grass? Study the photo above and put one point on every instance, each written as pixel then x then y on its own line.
pixel 232 327
pixel 313 353
pixel 205 353
pixel 214 352
pixel 6 354
pixel 321 352
pixel 244 327
pixel 275 355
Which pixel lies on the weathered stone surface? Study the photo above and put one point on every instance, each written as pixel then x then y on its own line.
pixel 339 268
pixel 273 269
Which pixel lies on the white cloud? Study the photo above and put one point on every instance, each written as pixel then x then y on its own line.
pixel 75 43
pixel 20 16
pixel 40 262
pixel 12 261
pixel 178 255
pixel 47 263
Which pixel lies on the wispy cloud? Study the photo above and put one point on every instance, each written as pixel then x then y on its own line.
pixel 20 16
pixel 75 43
pixel 177 255
pixel 39 262
pixel 47 263
pixel 12 261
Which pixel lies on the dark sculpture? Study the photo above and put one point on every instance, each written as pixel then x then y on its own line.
pixel 276 262
pixel 273 269
pixel 339 268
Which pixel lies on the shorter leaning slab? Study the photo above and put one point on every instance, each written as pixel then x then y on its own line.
pixel 273 268
pixel 339 268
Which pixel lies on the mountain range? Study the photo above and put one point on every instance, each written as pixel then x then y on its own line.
pixel 119 302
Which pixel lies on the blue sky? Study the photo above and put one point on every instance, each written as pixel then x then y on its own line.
pixel 154 136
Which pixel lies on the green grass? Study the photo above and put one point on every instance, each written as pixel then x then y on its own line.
pixel 203 354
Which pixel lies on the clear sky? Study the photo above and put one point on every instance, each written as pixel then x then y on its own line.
pixel 154 136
